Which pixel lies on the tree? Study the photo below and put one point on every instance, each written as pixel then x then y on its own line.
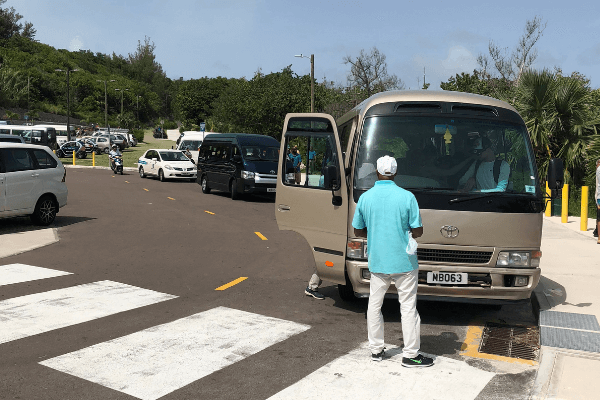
pixel 10 26
pixel 10 115
pixel 12 86
pixel 369 73
pixel 475 83
pixel 512 66
pixel 194 101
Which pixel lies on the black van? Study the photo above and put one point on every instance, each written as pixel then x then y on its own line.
pixel 238 163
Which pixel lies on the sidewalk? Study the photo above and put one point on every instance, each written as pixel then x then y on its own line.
pixel 12 243
pixel 569 302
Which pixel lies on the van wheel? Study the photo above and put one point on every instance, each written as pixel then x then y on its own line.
pixel 346 291
pixel 45 211
pixel 142 173
pixel 235 195
pixel 161 175
pixel 204 183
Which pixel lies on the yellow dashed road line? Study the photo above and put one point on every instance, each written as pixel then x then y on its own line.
pixel 470 348
pixel 170 198
pixel 146 190
pixel 260 235
pixel 232 283
pixel 208 212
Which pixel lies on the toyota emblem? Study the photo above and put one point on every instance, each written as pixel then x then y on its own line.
pixel 273 172
pixel 449 231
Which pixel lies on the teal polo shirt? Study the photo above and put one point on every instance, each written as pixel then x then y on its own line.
pixel 388 212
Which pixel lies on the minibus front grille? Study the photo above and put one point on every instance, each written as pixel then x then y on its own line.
pixel 454 256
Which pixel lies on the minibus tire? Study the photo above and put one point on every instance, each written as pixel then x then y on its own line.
pixel 346 291
pixel 233 189
pixel 204 184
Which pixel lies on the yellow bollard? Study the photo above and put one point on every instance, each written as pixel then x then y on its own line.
pixel 73 157
pixel 564 212
pixel 93 158
pixel 548 202
pixel 584 209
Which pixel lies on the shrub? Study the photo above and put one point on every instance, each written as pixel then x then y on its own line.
pixel 139 134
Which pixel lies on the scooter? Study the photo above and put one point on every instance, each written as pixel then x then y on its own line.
pixel 116 164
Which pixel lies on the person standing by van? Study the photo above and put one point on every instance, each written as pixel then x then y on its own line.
pixel 296 159
pixel 385 214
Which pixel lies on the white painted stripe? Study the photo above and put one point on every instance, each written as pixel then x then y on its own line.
pixel 154 362
pixel 355 376
pixel 17 273
pixel 42 312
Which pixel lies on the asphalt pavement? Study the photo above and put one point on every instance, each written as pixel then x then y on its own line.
pixel 156 290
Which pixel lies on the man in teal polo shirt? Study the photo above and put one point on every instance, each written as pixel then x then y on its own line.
pixel 385 215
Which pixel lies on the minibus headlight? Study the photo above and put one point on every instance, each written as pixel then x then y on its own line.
pixel 518 259
pixel 356 249
pixel 247 175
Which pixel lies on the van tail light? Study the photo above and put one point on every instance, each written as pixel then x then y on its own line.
pixel 356 249
pixel 64 176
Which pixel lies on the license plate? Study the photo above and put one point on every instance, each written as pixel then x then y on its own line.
pixel 448 278
pixel 271 189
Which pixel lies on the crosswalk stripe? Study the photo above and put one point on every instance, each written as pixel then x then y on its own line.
pixel 42 312
pixel 355 376
pixel 156 361
pixel 17 273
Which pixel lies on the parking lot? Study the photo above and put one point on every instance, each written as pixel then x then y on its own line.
pixel 174 246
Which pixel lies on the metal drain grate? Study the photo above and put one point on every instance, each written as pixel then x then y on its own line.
pixel 511 341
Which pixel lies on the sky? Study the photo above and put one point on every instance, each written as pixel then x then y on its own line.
pixel 235 38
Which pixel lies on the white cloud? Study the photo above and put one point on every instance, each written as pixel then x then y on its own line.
pixel 76 44
pixel 459 60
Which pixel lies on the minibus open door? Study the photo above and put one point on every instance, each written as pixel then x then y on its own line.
pixel 312 197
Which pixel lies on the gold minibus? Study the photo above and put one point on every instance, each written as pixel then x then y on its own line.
pixel 468 160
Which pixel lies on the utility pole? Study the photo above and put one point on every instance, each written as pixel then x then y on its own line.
pixel 105 102
pixel 122 93
pixel 68 71
pixel 312 80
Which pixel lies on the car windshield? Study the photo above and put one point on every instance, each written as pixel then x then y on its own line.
pixel 173 156
pixel 192 145
pixel 448 154
pixel 260 152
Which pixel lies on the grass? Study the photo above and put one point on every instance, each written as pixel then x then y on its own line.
pixel 130 155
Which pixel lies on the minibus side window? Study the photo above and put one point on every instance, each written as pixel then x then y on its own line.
pixel 315 153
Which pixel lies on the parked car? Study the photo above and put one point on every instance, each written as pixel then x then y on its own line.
pixel 116 139
pixel 90 146
pixel 33 182
pixel 11 138
pixel 238 163
pixel 166 164
pixel 67 149
pixel 102 143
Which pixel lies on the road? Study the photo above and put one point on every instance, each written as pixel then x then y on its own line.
pixel 130 310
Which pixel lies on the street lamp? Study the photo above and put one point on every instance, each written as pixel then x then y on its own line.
pixel 105 103
pixel 122 93
pixel 68 71
pixel 312 80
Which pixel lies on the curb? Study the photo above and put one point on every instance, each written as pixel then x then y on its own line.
pixel 130 169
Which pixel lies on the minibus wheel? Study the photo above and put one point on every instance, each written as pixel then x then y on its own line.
pixel 204 184
pixel 347 291
pixel 233 189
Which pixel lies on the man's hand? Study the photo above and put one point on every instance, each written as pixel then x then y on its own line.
pixel 417 232
pixel 360 232
pixel 468 186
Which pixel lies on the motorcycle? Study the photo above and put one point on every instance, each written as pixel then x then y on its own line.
pixel 116 164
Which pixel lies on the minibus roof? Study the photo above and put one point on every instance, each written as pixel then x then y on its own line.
pixel 242 138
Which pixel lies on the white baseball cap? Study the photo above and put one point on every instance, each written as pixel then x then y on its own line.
pixel 387 165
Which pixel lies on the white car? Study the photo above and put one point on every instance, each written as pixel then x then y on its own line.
pixel 32 182
pixel 166 164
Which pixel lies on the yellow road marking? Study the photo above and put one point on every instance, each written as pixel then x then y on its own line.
pixel 126 181
pixel 146 190
pixel 208 212
pixel 470 348
pixel 232 283
pixel 260 235
pixel 170 198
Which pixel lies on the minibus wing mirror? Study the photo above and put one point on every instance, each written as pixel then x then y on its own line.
pixel 556 175
pixel 331 181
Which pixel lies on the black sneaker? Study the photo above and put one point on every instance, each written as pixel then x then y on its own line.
pixel 417 362
pixel 309 292
pixel 379 356
pixel 596 232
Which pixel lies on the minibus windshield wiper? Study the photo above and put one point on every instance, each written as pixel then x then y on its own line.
pixel 428 188
pixel 482 196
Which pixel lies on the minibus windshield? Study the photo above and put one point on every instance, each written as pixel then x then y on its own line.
pixel 448 154
pixel 260 153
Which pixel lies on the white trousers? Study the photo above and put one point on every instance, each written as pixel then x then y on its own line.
pixel 315 281
pixel 406 284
